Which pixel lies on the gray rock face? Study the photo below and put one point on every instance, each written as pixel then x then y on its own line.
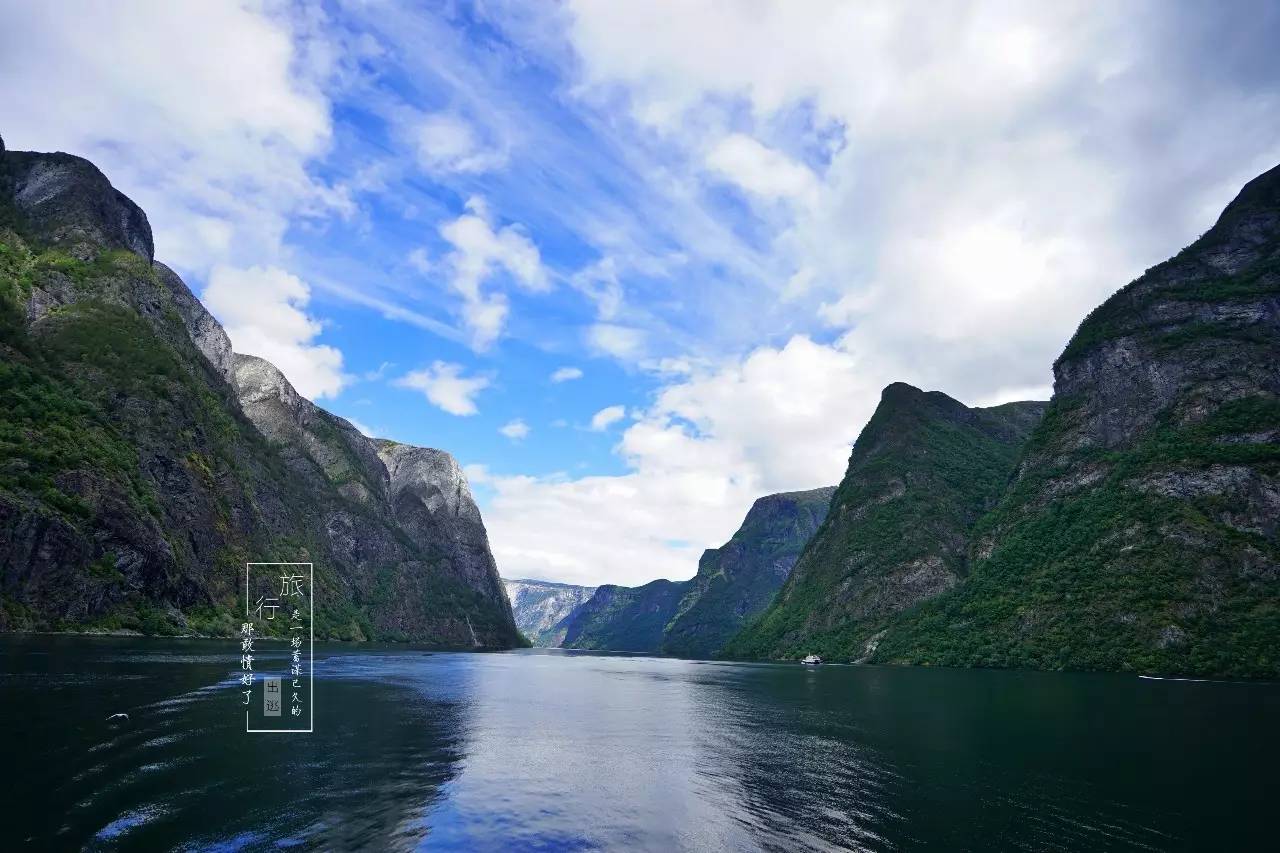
pixel 65 201
pixel 542 608
pixel 432 501
pixel 154 462
pixel 206 332
pixel 320 446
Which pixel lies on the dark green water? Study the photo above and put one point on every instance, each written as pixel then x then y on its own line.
pixel 562 751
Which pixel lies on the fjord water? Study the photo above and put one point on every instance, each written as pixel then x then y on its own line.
pixel 540 750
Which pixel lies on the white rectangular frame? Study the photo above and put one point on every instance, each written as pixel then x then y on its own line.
pixel 311 601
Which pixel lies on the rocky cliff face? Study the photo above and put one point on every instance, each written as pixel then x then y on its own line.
pixel 142 463
pixel 625 619
pixel 923 471
pixel 431 500
pixel 65 201
pixel 1141 530
pixel 738 580
pixel 543 608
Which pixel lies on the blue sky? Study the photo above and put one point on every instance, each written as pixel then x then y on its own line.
pixel 727 225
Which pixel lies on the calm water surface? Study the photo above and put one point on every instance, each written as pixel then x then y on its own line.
pixel 540 750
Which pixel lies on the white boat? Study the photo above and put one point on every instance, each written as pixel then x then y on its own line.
pixel 811 660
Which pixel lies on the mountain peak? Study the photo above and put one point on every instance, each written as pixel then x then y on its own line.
pixel 64 200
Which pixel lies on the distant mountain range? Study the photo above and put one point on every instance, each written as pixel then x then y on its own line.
pixel 542 608
pixel 693 618
pixel 143 463
pixel 1130 524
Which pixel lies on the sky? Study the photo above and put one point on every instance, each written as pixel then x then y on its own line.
pixel 637 264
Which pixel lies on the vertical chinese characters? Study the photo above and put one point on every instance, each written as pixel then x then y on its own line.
pixel 276 644
pixel 291 587
pixel 246 660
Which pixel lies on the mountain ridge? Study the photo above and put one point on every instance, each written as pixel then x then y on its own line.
pixel 542 608
pixel 135 473
pixel 1140 530
pixel 734 582
pixel 923 470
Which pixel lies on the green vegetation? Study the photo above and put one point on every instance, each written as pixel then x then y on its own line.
pixel 1123 313
pixel 921 473
pixel 630 619
pixel 1118 576
pixel 101 400
pixel 736 582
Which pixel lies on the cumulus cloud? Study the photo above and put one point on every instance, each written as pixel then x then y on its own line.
pixel 447 143
pixel 781 419
pixel 445 386
pixel 761 170
pixel 514 429
pixel 215 151
pixel 604 418
pixel 566 374
pixel 979 193
pixel 480 252
pixel 263 311
pixel 622 342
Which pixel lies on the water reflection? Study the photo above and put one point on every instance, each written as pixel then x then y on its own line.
pixel 183 774
pixel 562 751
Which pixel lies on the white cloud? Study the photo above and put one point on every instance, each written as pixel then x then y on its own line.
pixel 781 419
pixel 602 419
pixel 566 374
pixel 420 261
pixel 480 252
pixel 447 143
pixel 515 429
pixel 962 220
pixel 761 170
pixel 446 387
pixel 622 342
pixel 263 311
pixel 214 150
pixel 1013 395
pixel 599 282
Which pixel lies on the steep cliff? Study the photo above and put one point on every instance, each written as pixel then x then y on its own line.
pixel 542 608
pixel 923 471
pixel 624 618
pixel 142 463
pixel 1141 530
pixel 431 501
pixel 738 580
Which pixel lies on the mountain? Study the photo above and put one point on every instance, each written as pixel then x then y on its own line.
pixel 143 463
pixel 922 472
pixel 624 618
pixel 738 580
pixel 734 582
pixel 1140 532
pixel 541 608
